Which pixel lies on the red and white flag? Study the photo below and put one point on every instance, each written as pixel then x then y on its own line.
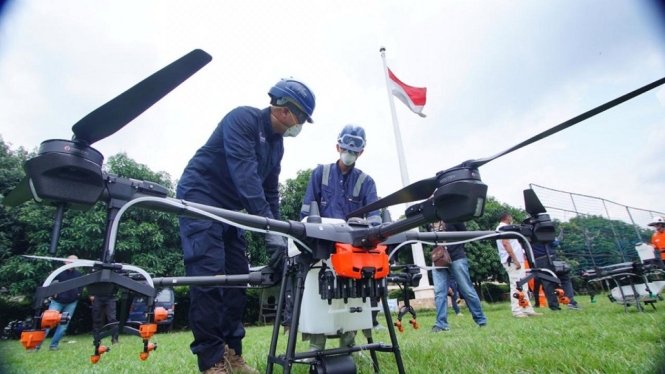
pixel 413 97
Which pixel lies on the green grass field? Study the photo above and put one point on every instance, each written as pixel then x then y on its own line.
pixel 599 339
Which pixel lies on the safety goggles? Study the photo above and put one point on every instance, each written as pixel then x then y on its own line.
pixel 352 140
pixel 300 115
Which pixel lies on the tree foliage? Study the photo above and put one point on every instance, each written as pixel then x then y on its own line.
pixel 588 241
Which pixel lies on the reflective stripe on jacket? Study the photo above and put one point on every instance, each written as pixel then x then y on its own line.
pixel 338 194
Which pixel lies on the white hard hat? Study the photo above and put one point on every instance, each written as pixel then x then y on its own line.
pixel 656 221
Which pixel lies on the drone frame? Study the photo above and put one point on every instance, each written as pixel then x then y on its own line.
pixel 63 168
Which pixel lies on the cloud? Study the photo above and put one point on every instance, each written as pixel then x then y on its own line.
pixel 496 74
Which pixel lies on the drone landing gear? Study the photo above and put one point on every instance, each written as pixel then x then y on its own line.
pixel 521 298
pixel 562 299
pixel 406 308
pixel 48 320
pixel 339 360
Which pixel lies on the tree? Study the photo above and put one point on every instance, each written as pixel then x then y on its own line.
pixel 292 195
pixel 589 241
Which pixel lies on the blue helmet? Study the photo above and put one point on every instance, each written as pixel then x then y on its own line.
pixel 290 91
pixel 352 138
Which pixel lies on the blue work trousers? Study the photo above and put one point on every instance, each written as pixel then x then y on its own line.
pixel 215 313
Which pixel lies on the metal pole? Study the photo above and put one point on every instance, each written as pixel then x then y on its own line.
pixel 588 247
pixel 416 249
pixel 398 136
pixel 616 239
pixel 639 236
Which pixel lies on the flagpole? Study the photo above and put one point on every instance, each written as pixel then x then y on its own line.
pixel 398 136
pixel 424 289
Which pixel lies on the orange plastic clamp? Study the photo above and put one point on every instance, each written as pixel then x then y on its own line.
pixel 31 339
pixel 95 358
pixel 518 295
pixel 558 292
pixel 349 261
pixel 160 314
pixel 564 300
pixel 523 303
pixel 50 319
pixel 151 347
pixel 144 355
pixel 147 330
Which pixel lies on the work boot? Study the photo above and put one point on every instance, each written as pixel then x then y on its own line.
pixel 218 368
pixel 236 364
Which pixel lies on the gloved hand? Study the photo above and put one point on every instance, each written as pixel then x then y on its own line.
pixel 276 248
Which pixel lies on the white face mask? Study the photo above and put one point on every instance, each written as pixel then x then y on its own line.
pixel 293 131
pixel 348 158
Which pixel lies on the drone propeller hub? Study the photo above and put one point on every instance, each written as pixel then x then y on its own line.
pixel 458 201
pixel 66 171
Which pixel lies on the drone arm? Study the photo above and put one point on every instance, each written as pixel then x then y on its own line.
pixel 451 236
pixel 180 207
pixel 378 234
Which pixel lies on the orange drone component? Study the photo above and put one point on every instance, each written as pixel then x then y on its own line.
pixel 558 292
pixel 349 261
pixel 519 295
pixel 160 314
pixel 399 326
pixel 101 350
pixel 31 339
pixel 414 323
pixel 523 303
pixel 564 300
pixel 149 347
pixel 51 319
pixel 147 330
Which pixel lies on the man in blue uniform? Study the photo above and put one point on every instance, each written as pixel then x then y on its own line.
pixel 339 189
pixel 238 168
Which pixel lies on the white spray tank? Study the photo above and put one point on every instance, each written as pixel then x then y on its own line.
pixel 319 317
pixel 645 251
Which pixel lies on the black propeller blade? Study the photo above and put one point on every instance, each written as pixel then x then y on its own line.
pixel 477 163
pixel 415 191
pixel 425 188
pixel 532 203
pixel 19 195
pixel 118 112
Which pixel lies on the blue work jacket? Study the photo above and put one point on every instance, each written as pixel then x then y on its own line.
pixel 239 165
pixel 339 194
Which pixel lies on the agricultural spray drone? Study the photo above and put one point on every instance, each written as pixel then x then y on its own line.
pixel 346 260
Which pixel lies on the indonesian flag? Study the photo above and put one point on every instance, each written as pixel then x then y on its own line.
pixel 413 97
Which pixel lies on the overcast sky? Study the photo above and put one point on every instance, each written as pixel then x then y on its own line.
pixel 496 72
